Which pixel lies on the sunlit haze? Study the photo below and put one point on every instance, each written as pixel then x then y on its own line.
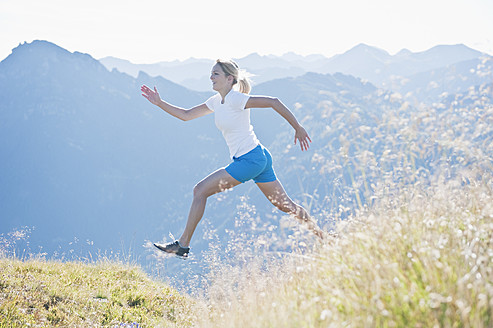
pixel 153 31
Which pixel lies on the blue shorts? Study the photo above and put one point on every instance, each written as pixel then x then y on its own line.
pixel 256 165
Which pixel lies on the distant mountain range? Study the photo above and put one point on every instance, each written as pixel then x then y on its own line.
pixel 84 155
pixel 363 61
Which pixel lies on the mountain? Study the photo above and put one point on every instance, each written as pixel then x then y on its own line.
pixel 363 61
pixel 192 73
pixel 433 85
pixel 379 67
pixel 195 73
pixel 424 76
pixel 438 56
pixel 124 66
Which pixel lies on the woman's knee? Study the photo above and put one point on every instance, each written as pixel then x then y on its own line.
pixel 204 189
pixel 199 191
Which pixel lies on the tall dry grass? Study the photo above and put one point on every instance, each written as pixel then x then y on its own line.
pixel 415 251
pixel 424 261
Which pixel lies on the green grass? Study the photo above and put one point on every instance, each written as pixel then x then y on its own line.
pixel 40 293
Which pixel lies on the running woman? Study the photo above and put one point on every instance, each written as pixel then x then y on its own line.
pixel 250 159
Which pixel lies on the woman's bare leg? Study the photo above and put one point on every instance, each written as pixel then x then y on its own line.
pixel 214 183
pixel 278 197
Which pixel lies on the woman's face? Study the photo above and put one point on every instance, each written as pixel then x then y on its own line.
pixel 219 79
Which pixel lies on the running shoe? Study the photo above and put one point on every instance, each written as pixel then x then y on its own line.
pixel 174 248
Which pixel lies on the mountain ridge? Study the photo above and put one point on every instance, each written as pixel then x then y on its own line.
pixel 363 61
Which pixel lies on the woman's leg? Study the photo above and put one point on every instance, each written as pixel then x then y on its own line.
pixel 278 197
pixel 214 183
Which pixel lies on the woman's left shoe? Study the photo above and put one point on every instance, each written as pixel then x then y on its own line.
pixel 174 248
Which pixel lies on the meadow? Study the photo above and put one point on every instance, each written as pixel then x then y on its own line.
pixel 422 260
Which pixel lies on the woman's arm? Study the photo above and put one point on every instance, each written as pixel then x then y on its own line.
pixel 265 102
pixel 178 112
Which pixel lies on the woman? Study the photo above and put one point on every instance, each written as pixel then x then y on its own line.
pixel 250 159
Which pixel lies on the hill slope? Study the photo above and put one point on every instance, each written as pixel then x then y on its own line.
pixel 419 258
pixel 422 257
pixel 40 293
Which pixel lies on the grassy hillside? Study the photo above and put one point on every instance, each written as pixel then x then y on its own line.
pixel 420 259
pixel 39 293
pixel 423 258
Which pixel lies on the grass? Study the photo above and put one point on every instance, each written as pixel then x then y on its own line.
pixel 421 259
pixel 426 260
pixel 40 293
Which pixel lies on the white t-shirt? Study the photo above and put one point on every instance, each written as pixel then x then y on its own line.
pixel 233 120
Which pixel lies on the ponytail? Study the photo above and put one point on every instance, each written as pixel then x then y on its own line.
pixel 240 76
pixel 244 84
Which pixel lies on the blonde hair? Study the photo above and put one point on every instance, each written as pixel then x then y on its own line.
pixel 240 76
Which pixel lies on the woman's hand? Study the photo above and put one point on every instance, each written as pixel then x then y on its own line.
pixel 303 138
pixel 152 96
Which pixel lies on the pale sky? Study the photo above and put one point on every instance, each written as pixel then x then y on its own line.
pixel 160 30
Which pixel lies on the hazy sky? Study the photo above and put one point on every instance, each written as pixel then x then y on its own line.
pixel 156 30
